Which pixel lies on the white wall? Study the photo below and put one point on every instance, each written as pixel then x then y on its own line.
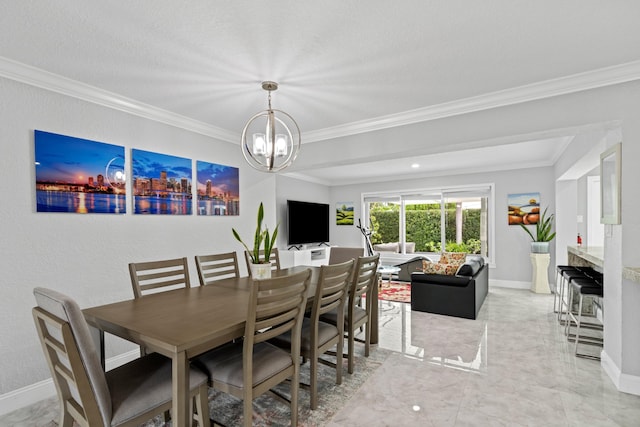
pixel 86 256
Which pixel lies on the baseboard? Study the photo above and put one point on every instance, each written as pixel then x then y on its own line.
pixel 509 284
pixel 624 382
pixel 45 389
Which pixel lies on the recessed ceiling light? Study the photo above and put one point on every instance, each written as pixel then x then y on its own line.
pixel 415 166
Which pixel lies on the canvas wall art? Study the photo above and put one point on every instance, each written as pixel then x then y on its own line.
pixel 524 208
pixel 77 175
pixel 218 189
pixel 344 213
pixel 161 184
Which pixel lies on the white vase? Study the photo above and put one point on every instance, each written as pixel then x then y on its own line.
pixel 261 271
pixel 540 247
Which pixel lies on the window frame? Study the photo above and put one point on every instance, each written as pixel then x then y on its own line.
pixel 402 196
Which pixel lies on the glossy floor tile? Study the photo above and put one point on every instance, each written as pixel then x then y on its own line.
pixel 511 367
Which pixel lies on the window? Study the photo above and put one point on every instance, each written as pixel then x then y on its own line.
pixel 451 219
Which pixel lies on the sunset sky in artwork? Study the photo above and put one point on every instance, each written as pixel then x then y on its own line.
pixel 224 179
pixel 67 159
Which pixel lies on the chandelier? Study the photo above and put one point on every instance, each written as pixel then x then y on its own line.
pixel 271 138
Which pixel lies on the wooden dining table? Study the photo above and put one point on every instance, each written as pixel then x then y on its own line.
pixel 184 323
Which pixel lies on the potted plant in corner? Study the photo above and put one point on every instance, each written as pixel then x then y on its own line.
pixel 260 266
pixel 544 234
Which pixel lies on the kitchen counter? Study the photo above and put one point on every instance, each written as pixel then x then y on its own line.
pixel 594 256
pixel 632 274
pixel 586 256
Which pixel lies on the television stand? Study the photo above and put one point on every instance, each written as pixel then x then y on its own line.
pixel 296 256
pixel 296 247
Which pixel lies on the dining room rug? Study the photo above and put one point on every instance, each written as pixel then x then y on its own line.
pixel 226 410
pixel 395 291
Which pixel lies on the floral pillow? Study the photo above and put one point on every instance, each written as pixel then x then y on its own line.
pixel 429 267
pixel 453 258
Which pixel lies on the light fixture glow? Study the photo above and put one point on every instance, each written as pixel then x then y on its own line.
pixel 415 165
pixel 275 143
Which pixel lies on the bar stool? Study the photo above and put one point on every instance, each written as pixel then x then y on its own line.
pixel 559 285
pixel 584 287
pixel 568 276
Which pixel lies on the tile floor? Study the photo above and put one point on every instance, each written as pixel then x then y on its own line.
pixel 510 367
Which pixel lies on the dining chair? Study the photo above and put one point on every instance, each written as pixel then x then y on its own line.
pixel 318 336
pixel 274 257
pixel 158 276
pixel 154 276
pixel 125 396
pixel 338 254
pixel 212 268
pixel 252 367
pixel 358 311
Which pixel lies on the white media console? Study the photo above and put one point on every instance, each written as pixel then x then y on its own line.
pixel 309 256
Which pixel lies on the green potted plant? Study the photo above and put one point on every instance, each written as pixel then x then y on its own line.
pixel 260 266
pixel 544 233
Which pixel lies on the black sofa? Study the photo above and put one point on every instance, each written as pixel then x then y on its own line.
pixel 461 295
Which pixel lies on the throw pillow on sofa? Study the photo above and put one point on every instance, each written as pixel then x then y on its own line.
pixel 429 267
pixel 453 258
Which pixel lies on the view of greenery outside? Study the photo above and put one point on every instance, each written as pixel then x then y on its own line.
pixel 423 226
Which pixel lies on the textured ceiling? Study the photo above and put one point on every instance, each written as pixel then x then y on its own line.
pixel 337 62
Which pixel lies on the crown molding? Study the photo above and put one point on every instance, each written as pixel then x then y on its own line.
pixel 602 77
pixel 56 83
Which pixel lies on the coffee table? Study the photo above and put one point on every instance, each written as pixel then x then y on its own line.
pixel 388 269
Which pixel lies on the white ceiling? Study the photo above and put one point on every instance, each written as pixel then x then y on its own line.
pixel 343 66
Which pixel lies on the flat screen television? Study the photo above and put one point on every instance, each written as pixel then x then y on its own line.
pixel 307 222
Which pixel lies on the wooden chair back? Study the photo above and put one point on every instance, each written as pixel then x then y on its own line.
pixel 158 276
pixel 364 278
pixel 332 292
pixel 338 255
pixel 84 391
pixel 212 268
pixel 73 360
pixel 276 306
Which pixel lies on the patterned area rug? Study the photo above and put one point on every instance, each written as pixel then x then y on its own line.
pixel 395 291
pixel 267 410
pixel 226 410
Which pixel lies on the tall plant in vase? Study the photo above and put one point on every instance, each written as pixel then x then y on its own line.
pixel 544 233
pixel 261 266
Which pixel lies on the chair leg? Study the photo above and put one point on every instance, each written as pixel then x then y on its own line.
pixel 202 406
pixel 367 339
pixel 339 350
pixel 314 380
pixel 295 386
pixel 350 349
pixel 247 406
pixel 578 322
pixel 66 420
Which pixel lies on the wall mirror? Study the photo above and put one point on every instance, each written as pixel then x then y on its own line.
pixel 610 164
